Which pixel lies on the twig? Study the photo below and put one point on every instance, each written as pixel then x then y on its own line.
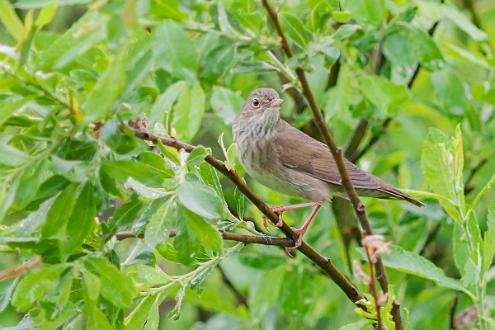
pixel 431 237
pixel 378 325
pixel 19 270
pixel 469 5
pixel 229 236
pixel 324 263
pixel 238 294
pixel 452 310
pixel 336 151
pixel 472 173
pixel 396 316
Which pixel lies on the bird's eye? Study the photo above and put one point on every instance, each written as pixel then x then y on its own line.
pixel 256 103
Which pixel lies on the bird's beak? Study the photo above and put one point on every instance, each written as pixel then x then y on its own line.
pixel 276 103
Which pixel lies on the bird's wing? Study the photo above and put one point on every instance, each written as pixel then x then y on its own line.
pixel 301 152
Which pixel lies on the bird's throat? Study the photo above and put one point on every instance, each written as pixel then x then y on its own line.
pixel 269 119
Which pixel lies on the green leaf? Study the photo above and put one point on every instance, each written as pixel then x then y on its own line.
pixel 36 284
pixel 11 156
pixel 261 260
pixel 196 157
pixel 91 285
pixel 6 290
pixel 449 88
pixel 82 219
pixel 58 216
pixel 10 20
pixel 107 89
pixel 87 32
pixel 463 23
pixel 163 104
pixel 123 169
pixel 157 230
pixel 175 51
pixel 295 29
pixel 398 49
pixel 189 110
pixel 366 11
pixel 438 170
pixel 115 286
pixel 384 94
pixel 265 292
pixel 10 106
pixel 46 15
pixel 218 61
pixel 145 276
pixel 125 215
pixel 426 50
pixel 200 199
pixel 226 103
pixel 142 314
pixel 414 264
pixel 206 233
pixel 489 241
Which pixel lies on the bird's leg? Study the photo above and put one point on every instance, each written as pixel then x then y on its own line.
pixel 300 231
pixel 279 210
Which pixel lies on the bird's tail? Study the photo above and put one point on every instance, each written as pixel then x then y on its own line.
pixel 394 193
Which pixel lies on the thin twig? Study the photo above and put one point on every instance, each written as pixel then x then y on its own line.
pixel 323 262
pixel 334 149
pixel 396 315
pixel 229 236
pixel 452 310
pixel 430 238
pixel 472 173
pixel 19 270
pixel 238 294
pixel 378 325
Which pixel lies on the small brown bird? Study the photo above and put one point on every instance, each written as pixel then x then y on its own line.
pixel 287 160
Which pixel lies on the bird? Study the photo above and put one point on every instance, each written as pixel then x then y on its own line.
pixel 287 160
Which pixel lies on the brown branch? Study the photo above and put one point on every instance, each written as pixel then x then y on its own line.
pixel 334 149
pixel 238 294
pixel 430 238
pixel 324 263
pixel 452 310
pixel 378 325
pixel 229 236
pixel 396 316
pixel 19 270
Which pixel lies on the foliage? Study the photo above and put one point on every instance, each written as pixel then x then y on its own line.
pixel 130 233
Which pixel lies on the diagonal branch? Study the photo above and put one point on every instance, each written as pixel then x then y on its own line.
pixel 323 262
pixel 334 149
pixel 19 270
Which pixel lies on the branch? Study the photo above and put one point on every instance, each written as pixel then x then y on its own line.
pixel 228 236
pixel 19 270
pixel 378 325
pixel 336 151
pixel 240 297
pixel 323 262
pixel 452 310
pixel 396 316
pixel 472 173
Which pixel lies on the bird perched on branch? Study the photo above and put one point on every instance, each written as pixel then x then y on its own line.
pixel 287 160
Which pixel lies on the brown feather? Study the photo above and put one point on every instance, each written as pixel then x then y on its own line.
pixel 315 159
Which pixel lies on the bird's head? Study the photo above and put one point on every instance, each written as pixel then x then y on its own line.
pixel 261 100
pixel 261 110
